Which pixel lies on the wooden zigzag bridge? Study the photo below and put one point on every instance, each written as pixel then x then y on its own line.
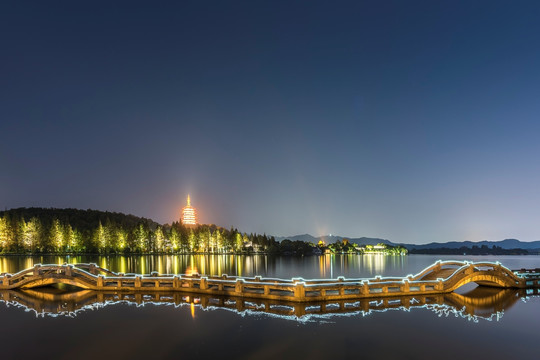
pixel 439 278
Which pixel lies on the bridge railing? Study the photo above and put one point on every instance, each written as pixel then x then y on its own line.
pixel 297 289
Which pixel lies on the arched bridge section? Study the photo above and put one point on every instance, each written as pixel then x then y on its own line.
pixel 455 274
pixel 441 277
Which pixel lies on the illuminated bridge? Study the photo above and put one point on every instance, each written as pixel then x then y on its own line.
pixel 439 278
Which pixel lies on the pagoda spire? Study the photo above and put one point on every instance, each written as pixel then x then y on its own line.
pixel 188 201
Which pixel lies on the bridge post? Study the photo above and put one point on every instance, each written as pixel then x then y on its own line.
pixel 300 291
pixel 266 290
pixel 176 282
pixel 440 285
pixel 68 269
pixel 203 283
pixel 406 287
pixel 100 282
pixel 138 282
pixel 239 286
pixel 6 281
pixel 365 288
pixel 37 269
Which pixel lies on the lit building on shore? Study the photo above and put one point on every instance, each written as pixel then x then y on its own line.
pixel 189 214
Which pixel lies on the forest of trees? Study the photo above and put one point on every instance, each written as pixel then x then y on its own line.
pixel 344 246
pixel 73 231
pixel 39 230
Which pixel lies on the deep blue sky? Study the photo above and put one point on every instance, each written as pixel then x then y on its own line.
pixel 415 121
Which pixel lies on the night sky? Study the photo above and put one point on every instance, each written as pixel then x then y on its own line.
pixel 415 121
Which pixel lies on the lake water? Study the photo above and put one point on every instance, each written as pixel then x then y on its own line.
pixel 482 323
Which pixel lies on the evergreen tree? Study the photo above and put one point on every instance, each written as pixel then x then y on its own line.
pixel 30 233
pixel 6 234
pixel 175 239
pixel 56 237
pixel 159 239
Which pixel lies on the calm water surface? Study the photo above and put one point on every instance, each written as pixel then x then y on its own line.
pixel 150 330
pixel 327 266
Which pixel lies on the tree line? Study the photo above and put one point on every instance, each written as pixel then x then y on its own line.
pixel 38 230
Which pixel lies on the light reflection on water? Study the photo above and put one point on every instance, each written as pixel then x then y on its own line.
pixel 62 300
pixel 324 266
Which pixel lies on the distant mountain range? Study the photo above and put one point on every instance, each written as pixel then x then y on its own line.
pixel 532 246
pixel 505 244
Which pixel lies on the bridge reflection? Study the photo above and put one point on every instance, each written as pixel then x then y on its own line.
pixel 480 303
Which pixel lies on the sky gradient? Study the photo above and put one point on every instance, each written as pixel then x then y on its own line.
pixel 414 121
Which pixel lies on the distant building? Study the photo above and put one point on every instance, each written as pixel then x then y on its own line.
pixel 189 214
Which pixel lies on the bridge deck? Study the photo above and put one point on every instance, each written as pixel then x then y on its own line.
pixel 441 277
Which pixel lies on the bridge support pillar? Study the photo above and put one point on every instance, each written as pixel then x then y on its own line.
pixel 365 288
pixel 239 286
pixel 203 283
pixel 100 282
pixel 138 282
pixel 300 291
pixel 176 282
pixel 406 287
pixel 266 290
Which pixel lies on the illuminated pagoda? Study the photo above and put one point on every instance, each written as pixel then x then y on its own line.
pixel 189 214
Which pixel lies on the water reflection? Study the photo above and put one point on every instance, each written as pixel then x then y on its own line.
pixel 325 266
pixel 480 303
pixel 308 267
